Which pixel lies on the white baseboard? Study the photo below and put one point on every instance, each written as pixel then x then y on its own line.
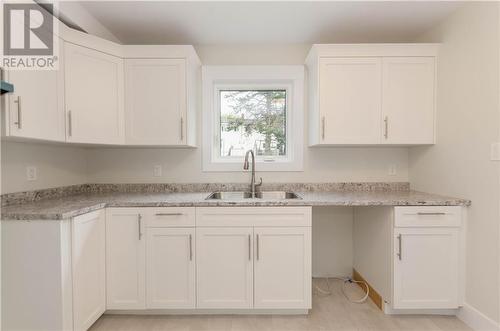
pixel 209 312
pixel 388 310
pixel 477 320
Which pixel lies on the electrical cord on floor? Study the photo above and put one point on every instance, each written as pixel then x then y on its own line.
pixel 345 281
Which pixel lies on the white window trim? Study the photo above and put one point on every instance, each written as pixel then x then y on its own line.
pixel 290 78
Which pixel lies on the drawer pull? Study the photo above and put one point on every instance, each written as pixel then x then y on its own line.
pixel 249 247
pixel 139 225
pixel 190 247
pixel 258 248
pixel 169 214
pixel 399 246
pixel 430 214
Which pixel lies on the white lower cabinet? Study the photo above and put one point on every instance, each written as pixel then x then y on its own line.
pixel 225 267
pixel 125 259
pixel 412 256
pixel 282 268
pixel 88 269
pixel 426 268
pixel 170 268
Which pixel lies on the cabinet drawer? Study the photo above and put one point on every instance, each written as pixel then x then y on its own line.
pixel 431 216
pixel 253 216
pixel 170 217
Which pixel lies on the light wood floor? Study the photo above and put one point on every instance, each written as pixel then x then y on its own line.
pixel 333 312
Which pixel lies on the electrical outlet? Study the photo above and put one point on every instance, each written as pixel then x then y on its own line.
pixel 392 170
pixel 157 170
pixel 31 173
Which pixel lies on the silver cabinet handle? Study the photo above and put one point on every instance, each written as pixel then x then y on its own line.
pixel 19 118
pixel 386 127
pixel 399 246
pixel 323 128
pixel 258 248
pixel 190 247
pixel 249 247
pixel 430 214
pixel 139 225
pixel 70 124
pixel 168 214
pixel 182 128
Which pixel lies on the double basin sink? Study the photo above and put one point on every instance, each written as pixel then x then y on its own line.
pixel 265 195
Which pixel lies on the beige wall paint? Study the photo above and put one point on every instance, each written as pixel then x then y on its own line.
pixel 468 121
pixel 56 166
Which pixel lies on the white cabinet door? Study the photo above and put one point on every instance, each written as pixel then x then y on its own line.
pixel 170 268
pixel 94 96
pixel 155 101
pixel 350 100
pixel 224 267
pixel 408 100
pixel 125 259
pixel 88 269
pixel 35 108
pixel 282 268
pixel 426 268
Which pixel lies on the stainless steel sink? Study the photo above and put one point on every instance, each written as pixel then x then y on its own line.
pixel 265 195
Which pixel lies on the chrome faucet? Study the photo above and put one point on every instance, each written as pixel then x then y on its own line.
pixel 245 167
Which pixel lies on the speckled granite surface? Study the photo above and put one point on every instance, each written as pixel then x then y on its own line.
pixel 70 206
pixel 65 191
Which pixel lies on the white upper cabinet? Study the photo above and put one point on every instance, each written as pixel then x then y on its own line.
pixel 408 100
pixel 349 100
pixel 371 94
pixel 94 96
pixel 35 109
pixel 155 101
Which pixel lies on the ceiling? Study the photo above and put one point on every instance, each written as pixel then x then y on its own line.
pixel 261 22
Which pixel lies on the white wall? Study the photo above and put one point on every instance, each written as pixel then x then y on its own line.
pixel 181 165
pixel 468 121
pixel 56 166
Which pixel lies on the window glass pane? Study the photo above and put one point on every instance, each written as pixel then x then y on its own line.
pixel 253 119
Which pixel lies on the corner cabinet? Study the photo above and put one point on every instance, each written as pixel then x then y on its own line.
pixel 55 264
pixel 94 96
pixel 372 94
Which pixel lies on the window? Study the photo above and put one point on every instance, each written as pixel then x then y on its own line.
pixel 253 119
pixel 253 107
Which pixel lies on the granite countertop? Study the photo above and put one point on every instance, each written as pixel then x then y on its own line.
pixel 74 205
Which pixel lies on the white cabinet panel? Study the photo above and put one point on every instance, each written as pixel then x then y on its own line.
pixel 224 267
pixel 170 268
pixel 155 101
pixel 125 259
pixel 94 96
pixel 426 268
pixel 88 269
pixel 35 108
pixel 350 100
pixel 283 268
pixel 408 100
